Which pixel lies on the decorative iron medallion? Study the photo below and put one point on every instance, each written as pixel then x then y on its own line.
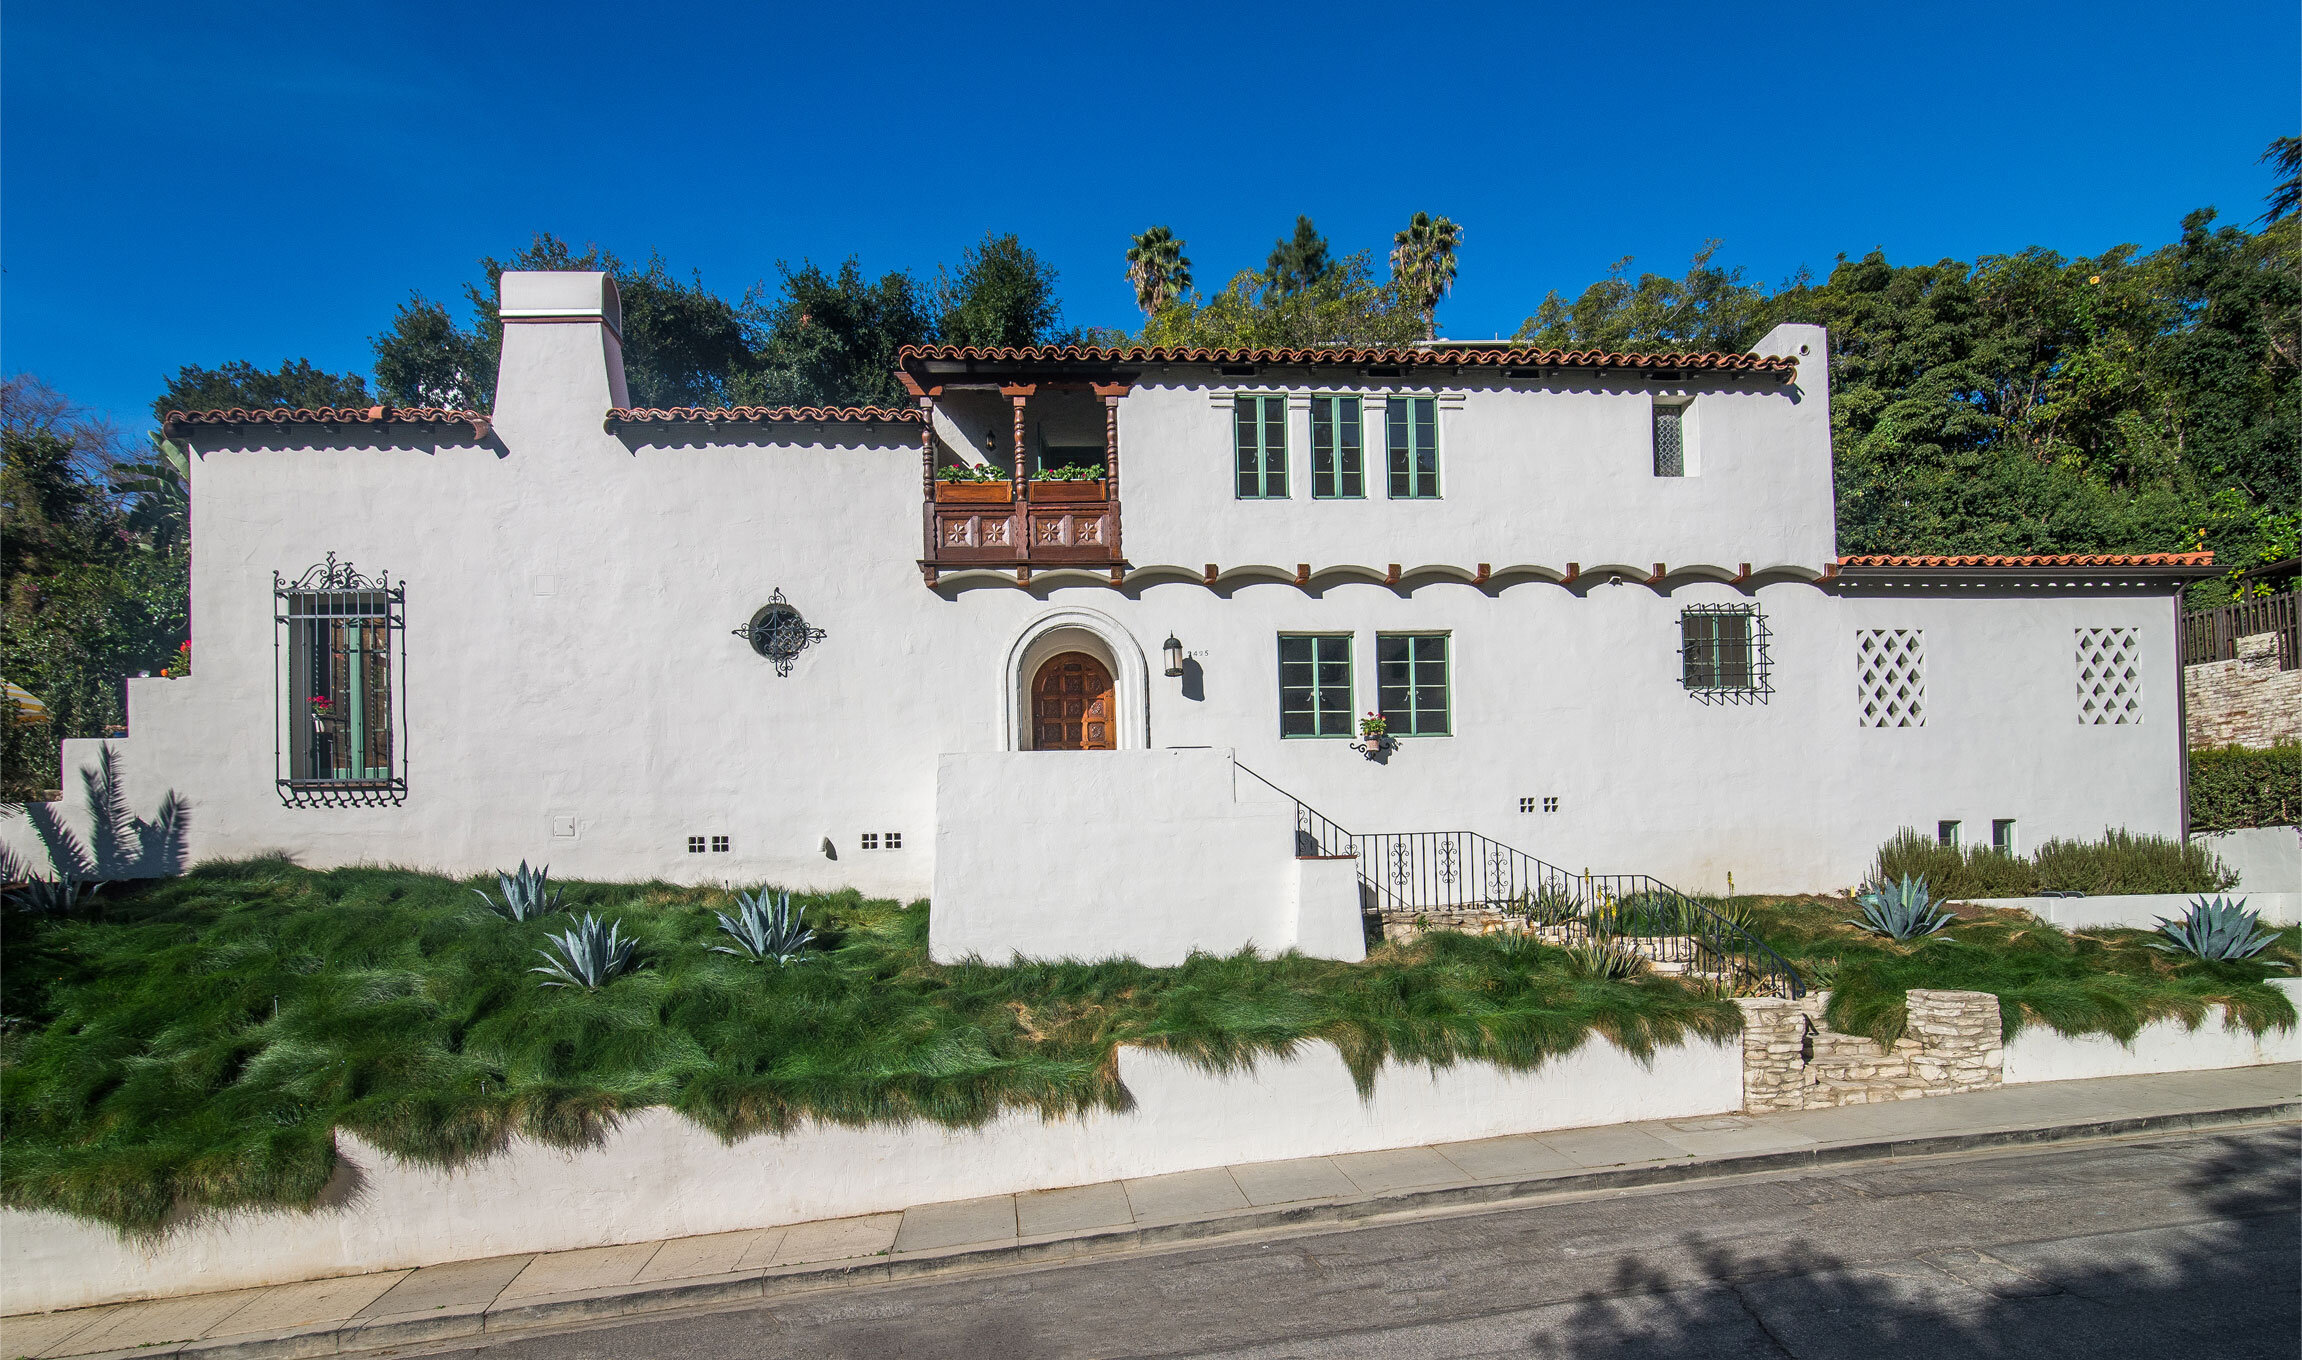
pixel 778 633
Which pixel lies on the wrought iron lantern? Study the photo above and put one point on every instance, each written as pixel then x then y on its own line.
pixel 779 633
pixel 1174 651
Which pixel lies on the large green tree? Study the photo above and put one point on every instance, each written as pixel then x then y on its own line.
pixel 1299 262
pixel 92 588
pixel 831 339
pixel 2027 403
pixel 682 343
pixel 1001 294
pixel 295 384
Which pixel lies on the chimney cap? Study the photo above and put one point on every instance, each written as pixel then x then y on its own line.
pixel 559 296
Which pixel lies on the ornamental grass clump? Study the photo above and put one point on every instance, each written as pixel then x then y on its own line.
pixel 764 931
pixel 588 955
pixel 2076 983
pixel 1902 911
pixel 149 1075
pixel 525 894
pixel 2220 931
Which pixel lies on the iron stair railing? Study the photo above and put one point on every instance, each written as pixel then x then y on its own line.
pixel 1449 873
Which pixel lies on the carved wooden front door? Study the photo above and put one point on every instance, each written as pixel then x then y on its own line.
pixel 1071 705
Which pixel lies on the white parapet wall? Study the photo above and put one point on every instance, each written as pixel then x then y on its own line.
pixel 2142 911
pixel 1139 854
pixel 660 1176
pixel 2040 1054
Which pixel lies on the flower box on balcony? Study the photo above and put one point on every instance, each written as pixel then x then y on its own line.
pixel 1067 491
pixel 981 493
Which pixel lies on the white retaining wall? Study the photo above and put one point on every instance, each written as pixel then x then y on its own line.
pixel 2142 911
pixel 661 1176
pixel 2040 1054
pixel 2266 858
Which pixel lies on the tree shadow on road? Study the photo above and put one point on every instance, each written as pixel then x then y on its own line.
pixel 2226 1286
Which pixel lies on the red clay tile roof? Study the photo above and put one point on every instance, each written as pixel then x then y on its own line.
pixel 755 415
pixel 2193 559
pixel 179 421
pixel 1484 356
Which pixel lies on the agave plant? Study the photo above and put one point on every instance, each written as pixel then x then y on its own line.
pixel 1603 963
pixel 590 954
pixel 1901 911
pixel 764 931
pixel 51 896
pixel 526 894
pixel 2219 930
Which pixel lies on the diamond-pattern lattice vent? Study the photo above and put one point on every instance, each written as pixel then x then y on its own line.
pixel 2109 676
pixel 1890 672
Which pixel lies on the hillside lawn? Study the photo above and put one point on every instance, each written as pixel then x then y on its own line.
pixel 193 1043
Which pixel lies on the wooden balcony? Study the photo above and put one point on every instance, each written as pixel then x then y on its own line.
pixel 1057 524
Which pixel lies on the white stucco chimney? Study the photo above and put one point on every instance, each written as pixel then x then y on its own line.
pixel 562 361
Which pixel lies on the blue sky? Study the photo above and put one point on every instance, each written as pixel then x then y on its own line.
pixel 194 184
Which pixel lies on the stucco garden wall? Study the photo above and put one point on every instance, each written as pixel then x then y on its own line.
pixel 2143 911
pixel 660 1176
pixel 2040 1054
pixel 1139 854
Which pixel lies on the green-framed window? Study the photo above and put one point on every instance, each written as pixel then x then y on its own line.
pixel 1723 653
pixel 1670 440
pixel 1338 466
pixel 1411 683
pixel 1260 425
pixel 1314 686
pixel 1414 429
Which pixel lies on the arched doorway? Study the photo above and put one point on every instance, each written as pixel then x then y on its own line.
pixel 1073 705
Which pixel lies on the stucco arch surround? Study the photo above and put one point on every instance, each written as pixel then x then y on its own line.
pixel 1077 630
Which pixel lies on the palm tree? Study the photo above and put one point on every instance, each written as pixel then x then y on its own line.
pixel 1158 268
pixel 1423 265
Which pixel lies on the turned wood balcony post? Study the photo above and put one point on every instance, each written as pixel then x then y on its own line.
pixel 1111 393
pixel 1019 393
pixel 933 532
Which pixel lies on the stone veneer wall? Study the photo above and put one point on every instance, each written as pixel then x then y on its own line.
pixel 1793 1061
pixel 2243 702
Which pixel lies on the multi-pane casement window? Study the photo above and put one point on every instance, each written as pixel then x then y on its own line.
pixel 1723 653
pixel 1315 686
pixel 338 635
pixel 1411 683
pixel 1413 425
pixel 1670 440
pixel 1260 427
pixel 1337 467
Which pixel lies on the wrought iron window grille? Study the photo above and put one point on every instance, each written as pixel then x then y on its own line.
pixel 1723 654
pixel 779 633
pixel 339 658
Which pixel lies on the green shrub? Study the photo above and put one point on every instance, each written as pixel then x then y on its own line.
pixel 2124 863
pixel 2118 863
pixel 2237 786
pixel 1954 871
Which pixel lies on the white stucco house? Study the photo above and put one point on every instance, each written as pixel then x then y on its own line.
pixel 1597 598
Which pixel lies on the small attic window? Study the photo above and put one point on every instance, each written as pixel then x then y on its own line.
pixel 1384 371
pixel 1236 370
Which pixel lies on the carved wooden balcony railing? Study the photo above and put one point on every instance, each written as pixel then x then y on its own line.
pixel 1057 524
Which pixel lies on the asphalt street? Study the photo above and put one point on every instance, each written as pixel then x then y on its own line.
pixel 2174 1246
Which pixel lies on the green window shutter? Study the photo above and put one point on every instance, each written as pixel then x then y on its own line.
pixel 1314 686
pixel 1259 425
pixel 1734 659
pixel 1411 684
pixel 1336 460
pixel 1413 426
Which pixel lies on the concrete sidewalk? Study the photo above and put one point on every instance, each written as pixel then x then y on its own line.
pixel 510 1293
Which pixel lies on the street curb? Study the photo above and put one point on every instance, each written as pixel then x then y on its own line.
pixel 361 1337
